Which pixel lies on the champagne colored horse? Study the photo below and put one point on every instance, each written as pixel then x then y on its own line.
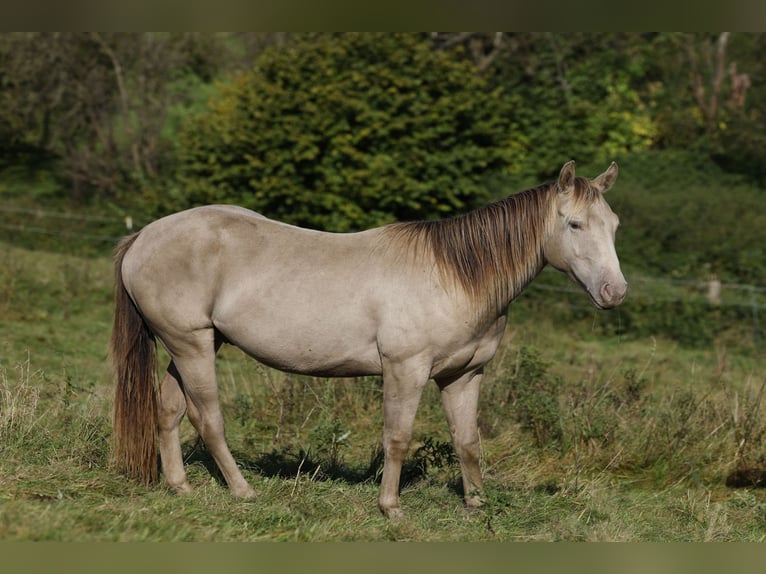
pixel 408 301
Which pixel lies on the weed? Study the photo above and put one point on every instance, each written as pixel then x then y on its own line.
pixel 433 454
pixel 328 438
pixel 634 386
pixel 19 398
pixel 749 434
pixel 534 394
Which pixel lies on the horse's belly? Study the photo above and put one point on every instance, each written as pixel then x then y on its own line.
pixel 299 347
pixel 310 359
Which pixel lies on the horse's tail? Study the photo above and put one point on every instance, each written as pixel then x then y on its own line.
pixel 133 352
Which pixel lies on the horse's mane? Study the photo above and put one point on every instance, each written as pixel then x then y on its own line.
pixel 493 252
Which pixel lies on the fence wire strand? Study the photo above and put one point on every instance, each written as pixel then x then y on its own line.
pixel 642 287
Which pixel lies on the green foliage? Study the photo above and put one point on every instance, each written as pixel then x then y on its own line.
pixel 688 321
pixel 348 132
pixel 583 96
pixel 742 149
pixel 682 217
pixel 327 440
pixel 534 394
pixel 722 117
pixel 432 454
pixel 589 96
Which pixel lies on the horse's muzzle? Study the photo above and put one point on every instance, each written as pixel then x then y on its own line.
pixel 612 294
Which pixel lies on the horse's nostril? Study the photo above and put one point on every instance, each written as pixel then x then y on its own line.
pixel 612 293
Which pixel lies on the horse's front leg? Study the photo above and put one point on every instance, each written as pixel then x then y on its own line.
pixel 402 388
pixel 460 398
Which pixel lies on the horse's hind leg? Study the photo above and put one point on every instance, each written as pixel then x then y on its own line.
pixel 194 362
pixel 172 407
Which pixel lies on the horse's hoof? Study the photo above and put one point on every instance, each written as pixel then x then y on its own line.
pixel 474 503
pixel 393 513
pixel 181 489
pixel 244 493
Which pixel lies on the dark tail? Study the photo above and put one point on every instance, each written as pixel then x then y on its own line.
pixel 133 352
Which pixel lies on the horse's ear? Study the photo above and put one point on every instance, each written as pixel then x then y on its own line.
pixel 567 176
pixel 606 180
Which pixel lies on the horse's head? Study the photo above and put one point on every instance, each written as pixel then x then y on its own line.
pixel 582 240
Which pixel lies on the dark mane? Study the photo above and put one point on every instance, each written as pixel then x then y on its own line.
pixel 492 253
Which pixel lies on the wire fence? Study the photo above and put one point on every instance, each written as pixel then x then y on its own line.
pixel 688 309
pixel 62 231
pixel 22 225
pixel 40 213
pixel 717 293
pixel 57 232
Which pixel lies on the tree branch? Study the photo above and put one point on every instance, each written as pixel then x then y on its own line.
pixel 124 100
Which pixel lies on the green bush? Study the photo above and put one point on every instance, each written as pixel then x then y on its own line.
pixel 694 323
pixel 681 216
pixel 534 393
pixel 585 97
pixel 350 131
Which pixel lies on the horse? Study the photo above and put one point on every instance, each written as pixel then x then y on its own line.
pixel 408 301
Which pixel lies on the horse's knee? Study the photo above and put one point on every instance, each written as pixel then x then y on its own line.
pixel 468 451
pixel 396 445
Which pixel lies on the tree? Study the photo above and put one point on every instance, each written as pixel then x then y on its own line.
pixel 584 95
pixel 350 131
pixel 481 47
pixel 708 98
pixel 97 102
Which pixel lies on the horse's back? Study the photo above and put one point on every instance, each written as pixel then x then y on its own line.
pixel 183 247
pixel 267 286
pixel 225 233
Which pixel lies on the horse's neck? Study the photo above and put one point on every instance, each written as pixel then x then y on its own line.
pixel 528 230
pixel 490 255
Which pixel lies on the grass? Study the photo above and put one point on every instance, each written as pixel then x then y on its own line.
pixel 585 437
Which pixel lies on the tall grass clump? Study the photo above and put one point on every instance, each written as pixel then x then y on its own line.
pixel 50 423
pixel 616 420
pixel 749 435
pixel 19 398
pixel 534 393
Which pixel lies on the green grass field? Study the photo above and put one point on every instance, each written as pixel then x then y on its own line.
pixel 584 437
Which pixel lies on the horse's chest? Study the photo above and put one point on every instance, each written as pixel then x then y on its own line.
pixel 469 354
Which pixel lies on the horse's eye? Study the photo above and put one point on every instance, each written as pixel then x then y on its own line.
pixel 576 225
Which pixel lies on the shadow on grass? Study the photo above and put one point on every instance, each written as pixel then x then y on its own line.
pixel 747 478
pixel 287 463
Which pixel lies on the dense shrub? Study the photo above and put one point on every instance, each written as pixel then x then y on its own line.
pixel 350 131
pixel 585 97
pixel 534 395
pixel 681 216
